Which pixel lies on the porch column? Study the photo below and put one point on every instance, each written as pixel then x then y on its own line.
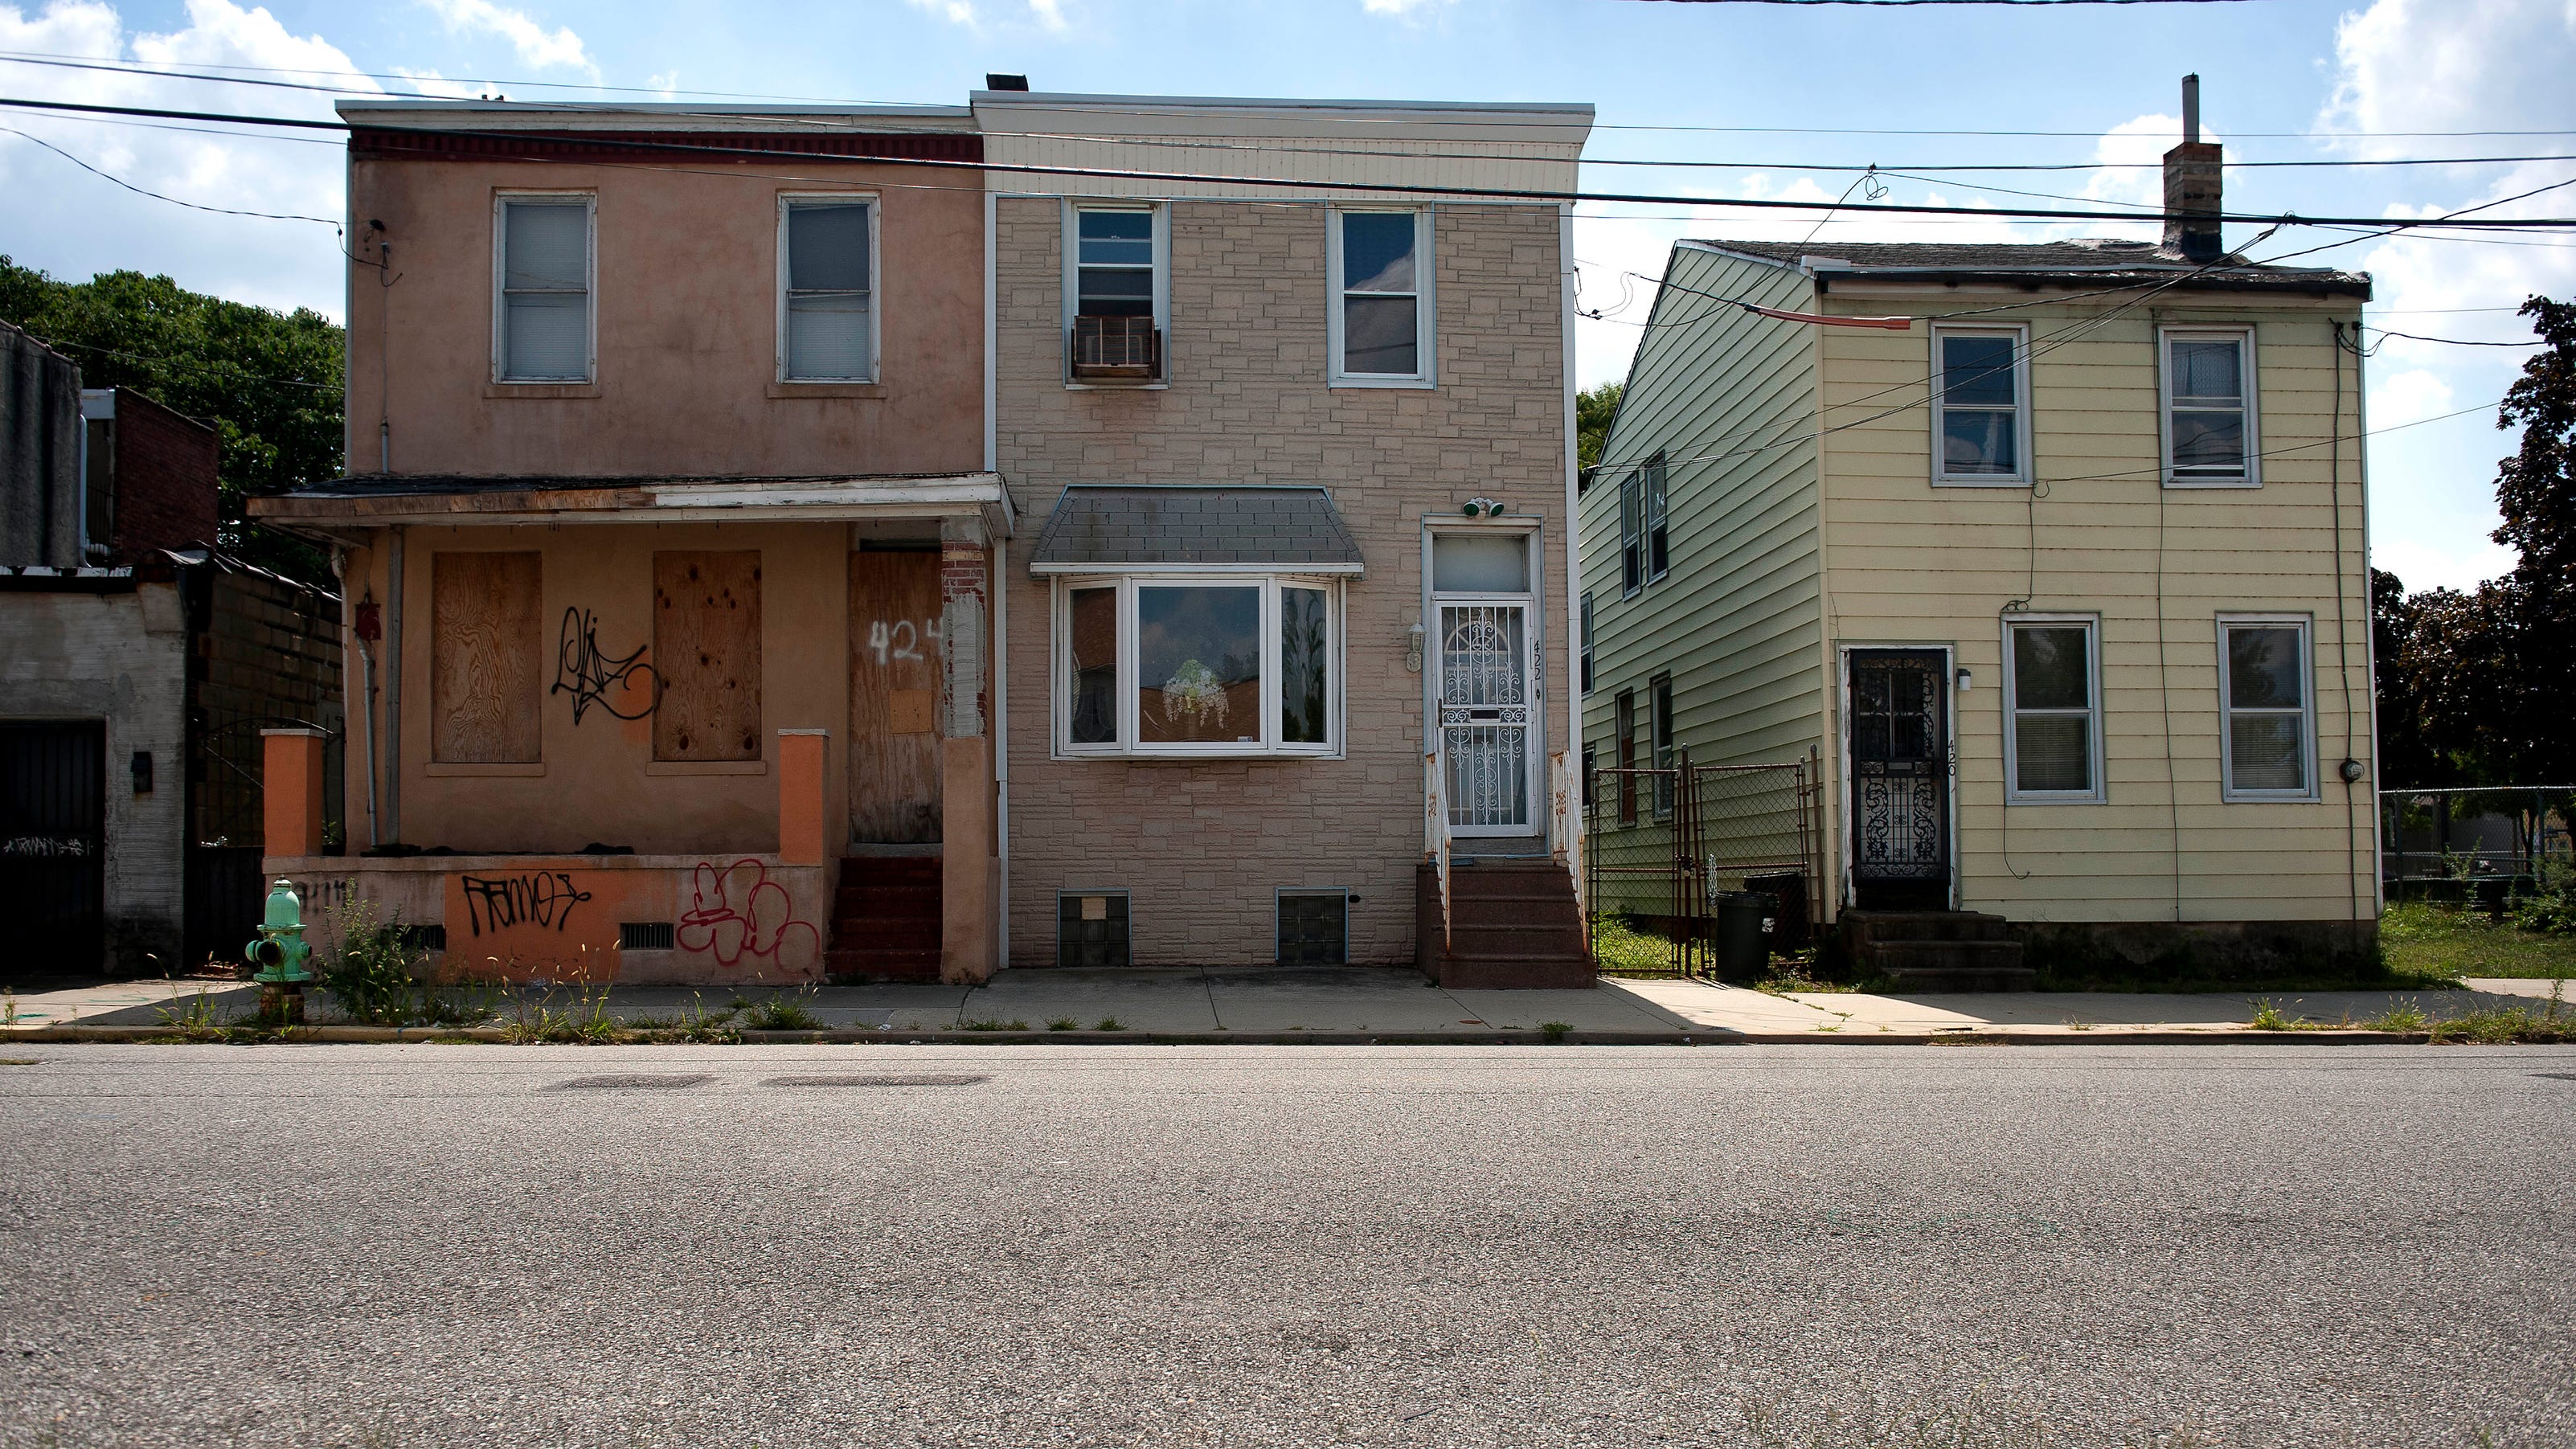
pixel 967 869
pixel 291 792
pixel 800 796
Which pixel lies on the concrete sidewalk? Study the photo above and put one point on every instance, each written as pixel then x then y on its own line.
pixel 1267 1002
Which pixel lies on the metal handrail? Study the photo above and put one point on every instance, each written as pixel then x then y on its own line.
pixel 1435 830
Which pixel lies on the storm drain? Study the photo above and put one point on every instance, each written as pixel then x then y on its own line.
pixel 881 1079
pixel 634 1081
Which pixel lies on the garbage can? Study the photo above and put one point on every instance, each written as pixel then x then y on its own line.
pixel 1743 941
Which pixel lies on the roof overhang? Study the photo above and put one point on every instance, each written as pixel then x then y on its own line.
pixel 380 502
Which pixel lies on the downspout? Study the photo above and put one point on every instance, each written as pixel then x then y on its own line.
pixel 1001 653
pixel 1573 845
pixel 2369 635
pixel 393 691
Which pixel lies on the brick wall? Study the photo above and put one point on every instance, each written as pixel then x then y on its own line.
pixel 166 468
pixel 268 656
pixel 1203 846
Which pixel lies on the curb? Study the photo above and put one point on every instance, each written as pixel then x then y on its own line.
pixel 863 1036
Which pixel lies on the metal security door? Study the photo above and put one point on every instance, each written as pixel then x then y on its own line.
pixel 1900 769
pixel 53 843
pixel 1485 717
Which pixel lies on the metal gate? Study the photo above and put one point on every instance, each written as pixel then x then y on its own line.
pixel 53 842
pixel 1708 829
pixel 1485 717
pixel 1900 777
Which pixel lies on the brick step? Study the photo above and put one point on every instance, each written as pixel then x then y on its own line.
pixel 1563 936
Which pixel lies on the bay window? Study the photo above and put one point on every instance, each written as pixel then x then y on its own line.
pixel 1209 664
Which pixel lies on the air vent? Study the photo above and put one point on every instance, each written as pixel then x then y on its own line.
pixel 1091 928
pixel 644 935
pixel 1314 927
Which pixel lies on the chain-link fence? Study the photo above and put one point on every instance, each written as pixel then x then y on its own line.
pixel 1660 846
pixel 2473 839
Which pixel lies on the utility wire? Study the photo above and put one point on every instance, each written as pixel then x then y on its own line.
pixel 157 196
pixel 1294 183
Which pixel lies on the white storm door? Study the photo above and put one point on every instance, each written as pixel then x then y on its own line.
pixel 1486 717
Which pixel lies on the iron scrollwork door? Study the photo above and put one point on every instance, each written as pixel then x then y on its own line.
pixel 1485 717
pixel 1900 769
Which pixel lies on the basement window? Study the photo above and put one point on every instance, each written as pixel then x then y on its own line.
pixel 1314 926
pixel 1091 928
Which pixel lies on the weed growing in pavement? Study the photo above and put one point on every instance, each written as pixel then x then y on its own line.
pixel 374 975
pixel 195 1020
pixel 1108 1023
pixel 782 1013
pixel 992 1024
pixel 2405 1016
pixel 2268 1017
pixel 9 1008
pixel 1555 1030
pixel 1064 1023
pixel 2077 1023
pixel 584 1020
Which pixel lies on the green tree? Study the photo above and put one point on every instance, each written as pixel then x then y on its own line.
pixel 1593 410
pixel 268 382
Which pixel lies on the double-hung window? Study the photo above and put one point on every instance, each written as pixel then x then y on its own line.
pixel 1645 541
pixel 1227 664
pixel 1624 727
pixel 1118 292
pixel 827 315
pixel 1382 308
pixel 2053 703
pixel 2209 433
pixel 541 314
pixel 1659 692
pixel 1659 554
pixel 2268 736
pixel 1981 406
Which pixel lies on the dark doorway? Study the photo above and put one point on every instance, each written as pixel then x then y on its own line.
pixel 1898 722
pixel 53 844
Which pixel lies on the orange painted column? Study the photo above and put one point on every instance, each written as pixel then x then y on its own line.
pixel 291 791
pixel 967 869
pixel 800 796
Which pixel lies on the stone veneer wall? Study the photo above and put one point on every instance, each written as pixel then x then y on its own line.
pixel 1203 846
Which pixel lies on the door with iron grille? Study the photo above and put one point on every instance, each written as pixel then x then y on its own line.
pixel 1897 720
pixel 1486 717
pixel 53 842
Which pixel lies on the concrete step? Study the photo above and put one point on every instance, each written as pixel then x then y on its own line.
pixel 1934 961
pixel 870 963
pixel 1864 928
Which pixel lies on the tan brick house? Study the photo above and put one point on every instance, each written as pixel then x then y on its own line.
pixel 1298 450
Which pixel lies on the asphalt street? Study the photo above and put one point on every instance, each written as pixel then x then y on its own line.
pixel 1809 1246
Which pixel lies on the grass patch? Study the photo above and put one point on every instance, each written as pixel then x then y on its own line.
pixel 987 1023
pixel 582 1020
pixel 1108 1023
pixel 2429 938
pixel 1064 1023
pixel 781 1012
pixel 1555 1030
pixel 1620 949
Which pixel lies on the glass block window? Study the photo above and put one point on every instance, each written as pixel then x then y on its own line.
pixel 1091 928
pixel 1314 927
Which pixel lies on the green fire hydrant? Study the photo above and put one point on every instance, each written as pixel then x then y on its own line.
pixel 280 953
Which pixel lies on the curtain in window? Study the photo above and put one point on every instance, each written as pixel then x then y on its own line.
pixel 2208 383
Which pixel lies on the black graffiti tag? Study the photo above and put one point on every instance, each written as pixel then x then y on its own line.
pixel 589 674
pixel 545 898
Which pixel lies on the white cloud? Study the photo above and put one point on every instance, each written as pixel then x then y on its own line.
pixel 536 45
pixel 1047 15
pixel 75 225
pixel 1403 7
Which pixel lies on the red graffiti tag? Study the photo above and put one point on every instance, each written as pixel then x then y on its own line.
pixel 739 911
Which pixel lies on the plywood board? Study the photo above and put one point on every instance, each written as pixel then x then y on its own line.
pixel 485 654
pixel 895 665
pixel 706 647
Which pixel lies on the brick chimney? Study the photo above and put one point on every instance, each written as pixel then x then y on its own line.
pixel 2193 183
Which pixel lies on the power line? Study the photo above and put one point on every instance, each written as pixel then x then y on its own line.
pixel 1146 108
pixel 157 196
pixel 1302 183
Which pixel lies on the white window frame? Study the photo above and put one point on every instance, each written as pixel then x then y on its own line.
pixel 1071 292
pixel 1125 747
pixel 501 201
pixel 788 201
pixel 2099 790
pixel 1657 476
pixel 2244 337
pixel 1632 532
pixel 2019 332
pixel 1663 740
pixel 2227 709
pixel 1425 309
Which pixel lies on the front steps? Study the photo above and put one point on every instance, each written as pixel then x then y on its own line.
pixel 1514 924
pixel 886 919
pixel 1936 950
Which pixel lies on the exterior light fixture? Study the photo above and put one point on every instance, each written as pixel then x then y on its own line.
pixel 1482 508
pixel 1965 680
pixel 1413 647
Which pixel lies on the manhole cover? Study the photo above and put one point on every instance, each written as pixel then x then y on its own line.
pixel 907 1079
pixel 625 1082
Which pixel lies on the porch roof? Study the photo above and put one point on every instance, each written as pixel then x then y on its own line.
pixel 1133 527
pixel 368 501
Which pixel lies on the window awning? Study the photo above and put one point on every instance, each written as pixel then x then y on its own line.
pixel 1140 527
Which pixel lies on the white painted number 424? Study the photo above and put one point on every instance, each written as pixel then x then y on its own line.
pixel 901 641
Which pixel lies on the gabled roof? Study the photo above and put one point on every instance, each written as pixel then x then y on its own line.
pixel 2089 260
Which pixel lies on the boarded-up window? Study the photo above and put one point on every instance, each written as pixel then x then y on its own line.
pixel 706 647
pixel 485 654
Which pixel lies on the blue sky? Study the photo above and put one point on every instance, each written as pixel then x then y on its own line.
pixel 2283 79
